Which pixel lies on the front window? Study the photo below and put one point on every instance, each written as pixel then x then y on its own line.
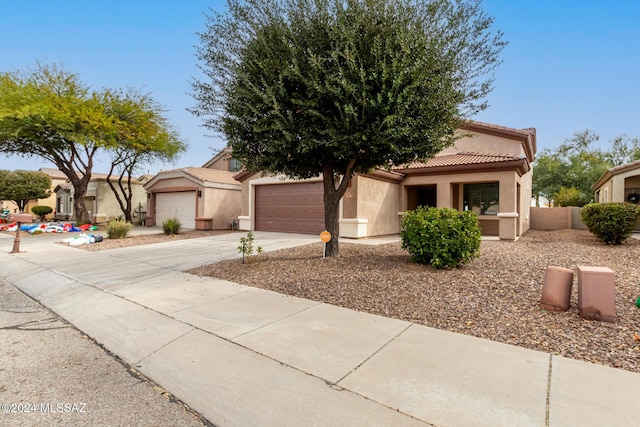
pixel 482 199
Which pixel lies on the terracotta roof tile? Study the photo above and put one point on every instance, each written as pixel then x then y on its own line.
pixel 212 175
pixel 53 173
pixel 462 158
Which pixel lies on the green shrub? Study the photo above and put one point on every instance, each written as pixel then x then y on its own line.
pixel 41 211
pixel 441 237
pixel 246 247
pixel 118 229
pixel 612 223
pixel 171 226
pixel 570 197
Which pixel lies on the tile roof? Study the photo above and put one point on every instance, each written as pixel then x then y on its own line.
pixel 53 173
pixel 212 175
pixel 459 159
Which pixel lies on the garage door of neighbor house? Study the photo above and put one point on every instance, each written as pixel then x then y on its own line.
pixel 181 205
pixel 291 208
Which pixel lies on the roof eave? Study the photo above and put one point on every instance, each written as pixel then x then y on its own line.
pixel 519 165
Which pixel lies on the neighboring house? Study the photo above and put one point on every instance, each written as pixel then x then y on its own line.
pixel 100 200
pixel 488 173
pixel 203 198
pixel 57 177
pixel 619 184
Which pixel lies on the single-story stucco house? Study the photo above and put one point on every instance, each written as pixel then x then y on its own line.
pixel 487 172
pixel 203 198
pixel 619 184
pixel 100 200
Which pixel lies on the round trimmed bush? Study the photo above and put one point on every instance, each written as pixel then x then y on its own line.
pixel 42 211
pixel 441 237
pixel 611 222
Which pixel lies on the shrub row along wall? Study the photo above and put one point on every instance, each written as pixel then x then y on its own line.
pixel 556 218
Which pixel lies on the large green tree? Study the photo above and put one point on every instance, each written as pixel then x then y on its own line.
pixel 144 136
pixel 22 186
pixel 337 87
pixel 568 172
pixel 49 113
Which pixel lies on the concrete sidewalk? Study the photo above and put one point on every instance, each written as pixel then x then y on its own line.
pixel 244 356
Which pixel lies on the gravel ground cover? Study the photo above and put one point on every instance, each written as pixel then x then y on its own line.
pixel 496 296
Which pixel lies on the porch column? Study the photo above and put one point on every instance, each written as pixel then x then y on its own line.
pixel 508 215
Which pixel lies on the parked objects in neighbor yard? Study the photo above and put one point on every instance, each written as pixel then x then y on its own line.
pixel 556 291
pixel 82 239
pixel 51 227
pixel 597 293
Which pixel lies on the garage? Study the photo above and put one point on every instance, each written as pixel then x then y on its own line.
pixel 181 205
pixel 290 208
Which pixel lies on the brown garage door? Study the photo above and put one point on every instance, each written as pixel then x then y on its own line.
pixel 291 208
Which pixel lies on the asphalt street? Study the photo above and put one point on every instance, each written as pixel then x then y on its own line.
pixel 52 374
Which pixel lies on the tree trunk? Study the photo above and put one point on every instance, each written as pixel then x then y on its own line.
pixel 331 218
pixel 332 196
pixel 80 185
pixel 127 194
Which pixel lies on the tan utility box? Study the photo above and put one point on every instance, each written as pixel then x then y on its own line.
pixel 597 293
pixel 556 291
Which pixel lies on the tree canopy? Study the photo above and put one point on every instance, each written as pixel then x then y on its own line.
pixel 22 186
pixel 144 137
pixel 326 87
pixel 564 176
pixel 48 112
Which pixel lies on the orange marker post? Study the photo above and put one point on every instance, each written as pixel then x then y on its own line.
pixel 325 237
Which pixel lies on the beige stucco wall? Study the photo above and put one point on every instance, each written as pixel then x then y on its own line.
pixel 481 143
pixel 220 164
pixel 378 202
pixel 222 205
pixel 106 205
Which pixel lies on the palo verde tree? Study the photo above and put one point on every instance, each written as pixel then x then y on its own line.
pixel 143 136
pixel 47 112
pixel 337 87
pixel 22 186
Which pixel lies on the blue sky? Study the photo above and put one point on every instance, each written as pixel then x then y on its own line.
pixel 570 64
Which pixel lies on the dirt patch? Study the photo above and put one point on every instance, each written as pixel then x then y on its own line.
pixel 145 239
pixel 495 297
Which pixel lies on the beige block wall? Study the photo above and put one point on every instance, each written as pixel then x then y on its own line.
pixel 551 219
